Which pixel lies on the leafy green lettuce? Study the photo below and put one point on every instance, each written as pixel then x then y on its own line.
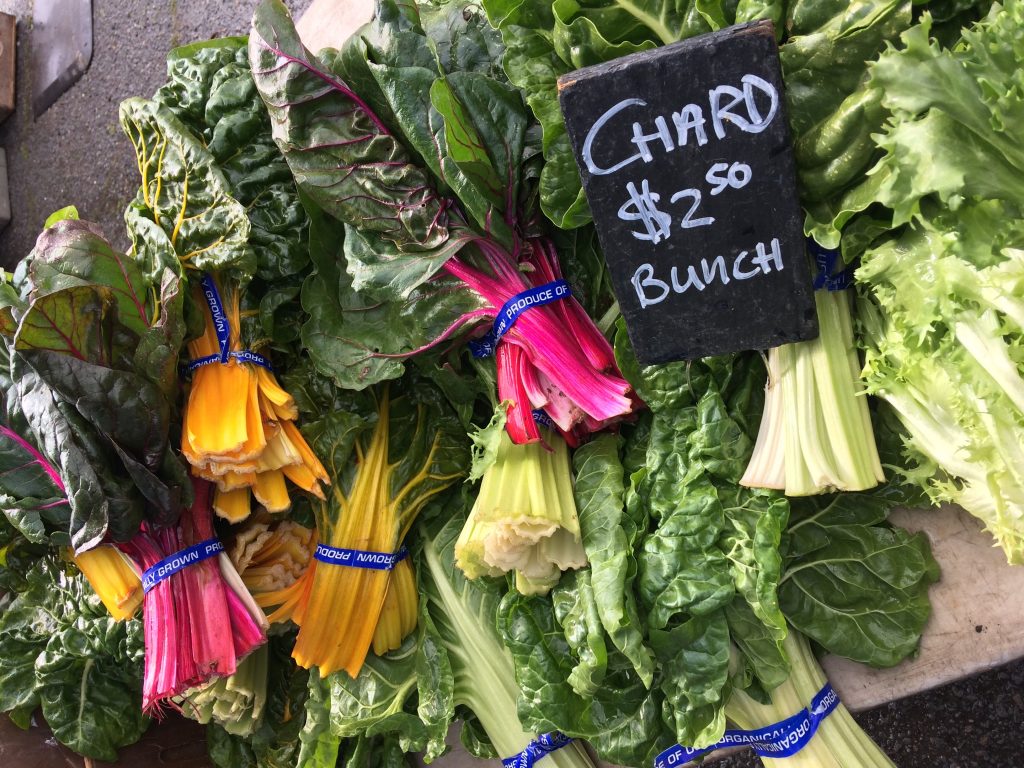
pixel 939 226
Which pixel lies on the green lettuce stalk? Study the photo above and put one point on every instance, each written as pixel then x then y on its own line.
pixel 524 518
pixel 816 433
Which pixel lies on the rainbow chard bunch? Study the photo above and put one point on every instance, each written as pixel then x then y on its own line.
pixel 230 223
pixel 439 214
pixel 239 424
pixel 199 619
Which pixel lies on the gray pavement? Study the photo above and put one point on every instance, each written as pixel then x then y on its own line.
pixel 76 153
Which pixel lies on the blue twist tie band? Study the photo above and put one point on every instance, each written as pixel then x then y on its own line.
pixel 220 319
pixel 543 419
pixel 779 740
pixel 536 749
pixel 827 259
pixel 357 558
pixel 169 566
pixel 242 356
pixel 510 311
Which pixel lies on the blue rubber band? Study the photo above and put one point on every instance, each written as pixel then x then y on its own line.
pixel 543 419
pixel 357 558
pixel 827 259
pixel 242 356
pixel 510 311
pixel 170 565
pixel 220 319
pixel 543 745
pixel 782 739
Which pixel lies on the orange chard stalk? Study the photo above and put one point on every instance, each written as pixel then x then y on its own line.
pixel 239 427
pixel 341 610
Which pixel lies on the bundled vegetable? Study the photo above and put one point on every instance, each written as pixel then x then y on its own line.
pixel 816 434
pixel 438 239
pixel 835 740
pixel 707 580
pixel 454 667
pixel 524 518
pixel 481 674
pixel 199 619
pixel 32 490
pixel 360 589
pixel 239 429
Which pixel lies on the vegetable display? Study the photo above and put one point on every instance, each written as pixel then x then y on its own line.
pixel 352 446
pixel 940 253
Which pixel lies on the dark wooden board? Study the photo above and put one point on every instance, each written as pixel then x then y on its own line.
pixel 686 160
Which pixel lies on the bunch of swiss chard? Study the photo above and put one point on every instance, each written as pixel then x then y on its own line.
pixel 699 589
pixel 413 138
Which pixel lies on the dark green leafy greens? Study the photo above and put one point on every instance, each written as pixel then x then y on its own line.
pixel 825 49
pixel 436 159
pixel 93 354
pixel 61 650
pixel 714 574
pixel 853 584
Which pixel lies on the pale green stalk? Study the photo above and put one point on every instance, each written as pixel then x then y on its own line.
pixel 838 743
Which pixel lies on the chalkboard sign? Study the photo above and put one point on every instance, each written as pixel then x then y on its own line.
pixel 685 157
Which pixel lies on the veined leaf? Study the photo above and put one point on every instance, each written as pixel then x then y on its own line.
pixel 340 152
pixel 184 193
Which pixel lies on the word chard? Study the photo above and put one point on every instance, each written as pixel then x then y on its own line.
pixel 692 138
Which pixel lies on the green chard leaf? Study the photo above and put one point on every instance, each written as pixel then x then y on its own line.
pixel 357 340
pixel 609 538
pixel 622 719
pixel 211 90
pixel 184 193
pixel 353 167
pixel 855 585
pixel 709 560
pixel 576 610
pixel 59 648
pixel 94 380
